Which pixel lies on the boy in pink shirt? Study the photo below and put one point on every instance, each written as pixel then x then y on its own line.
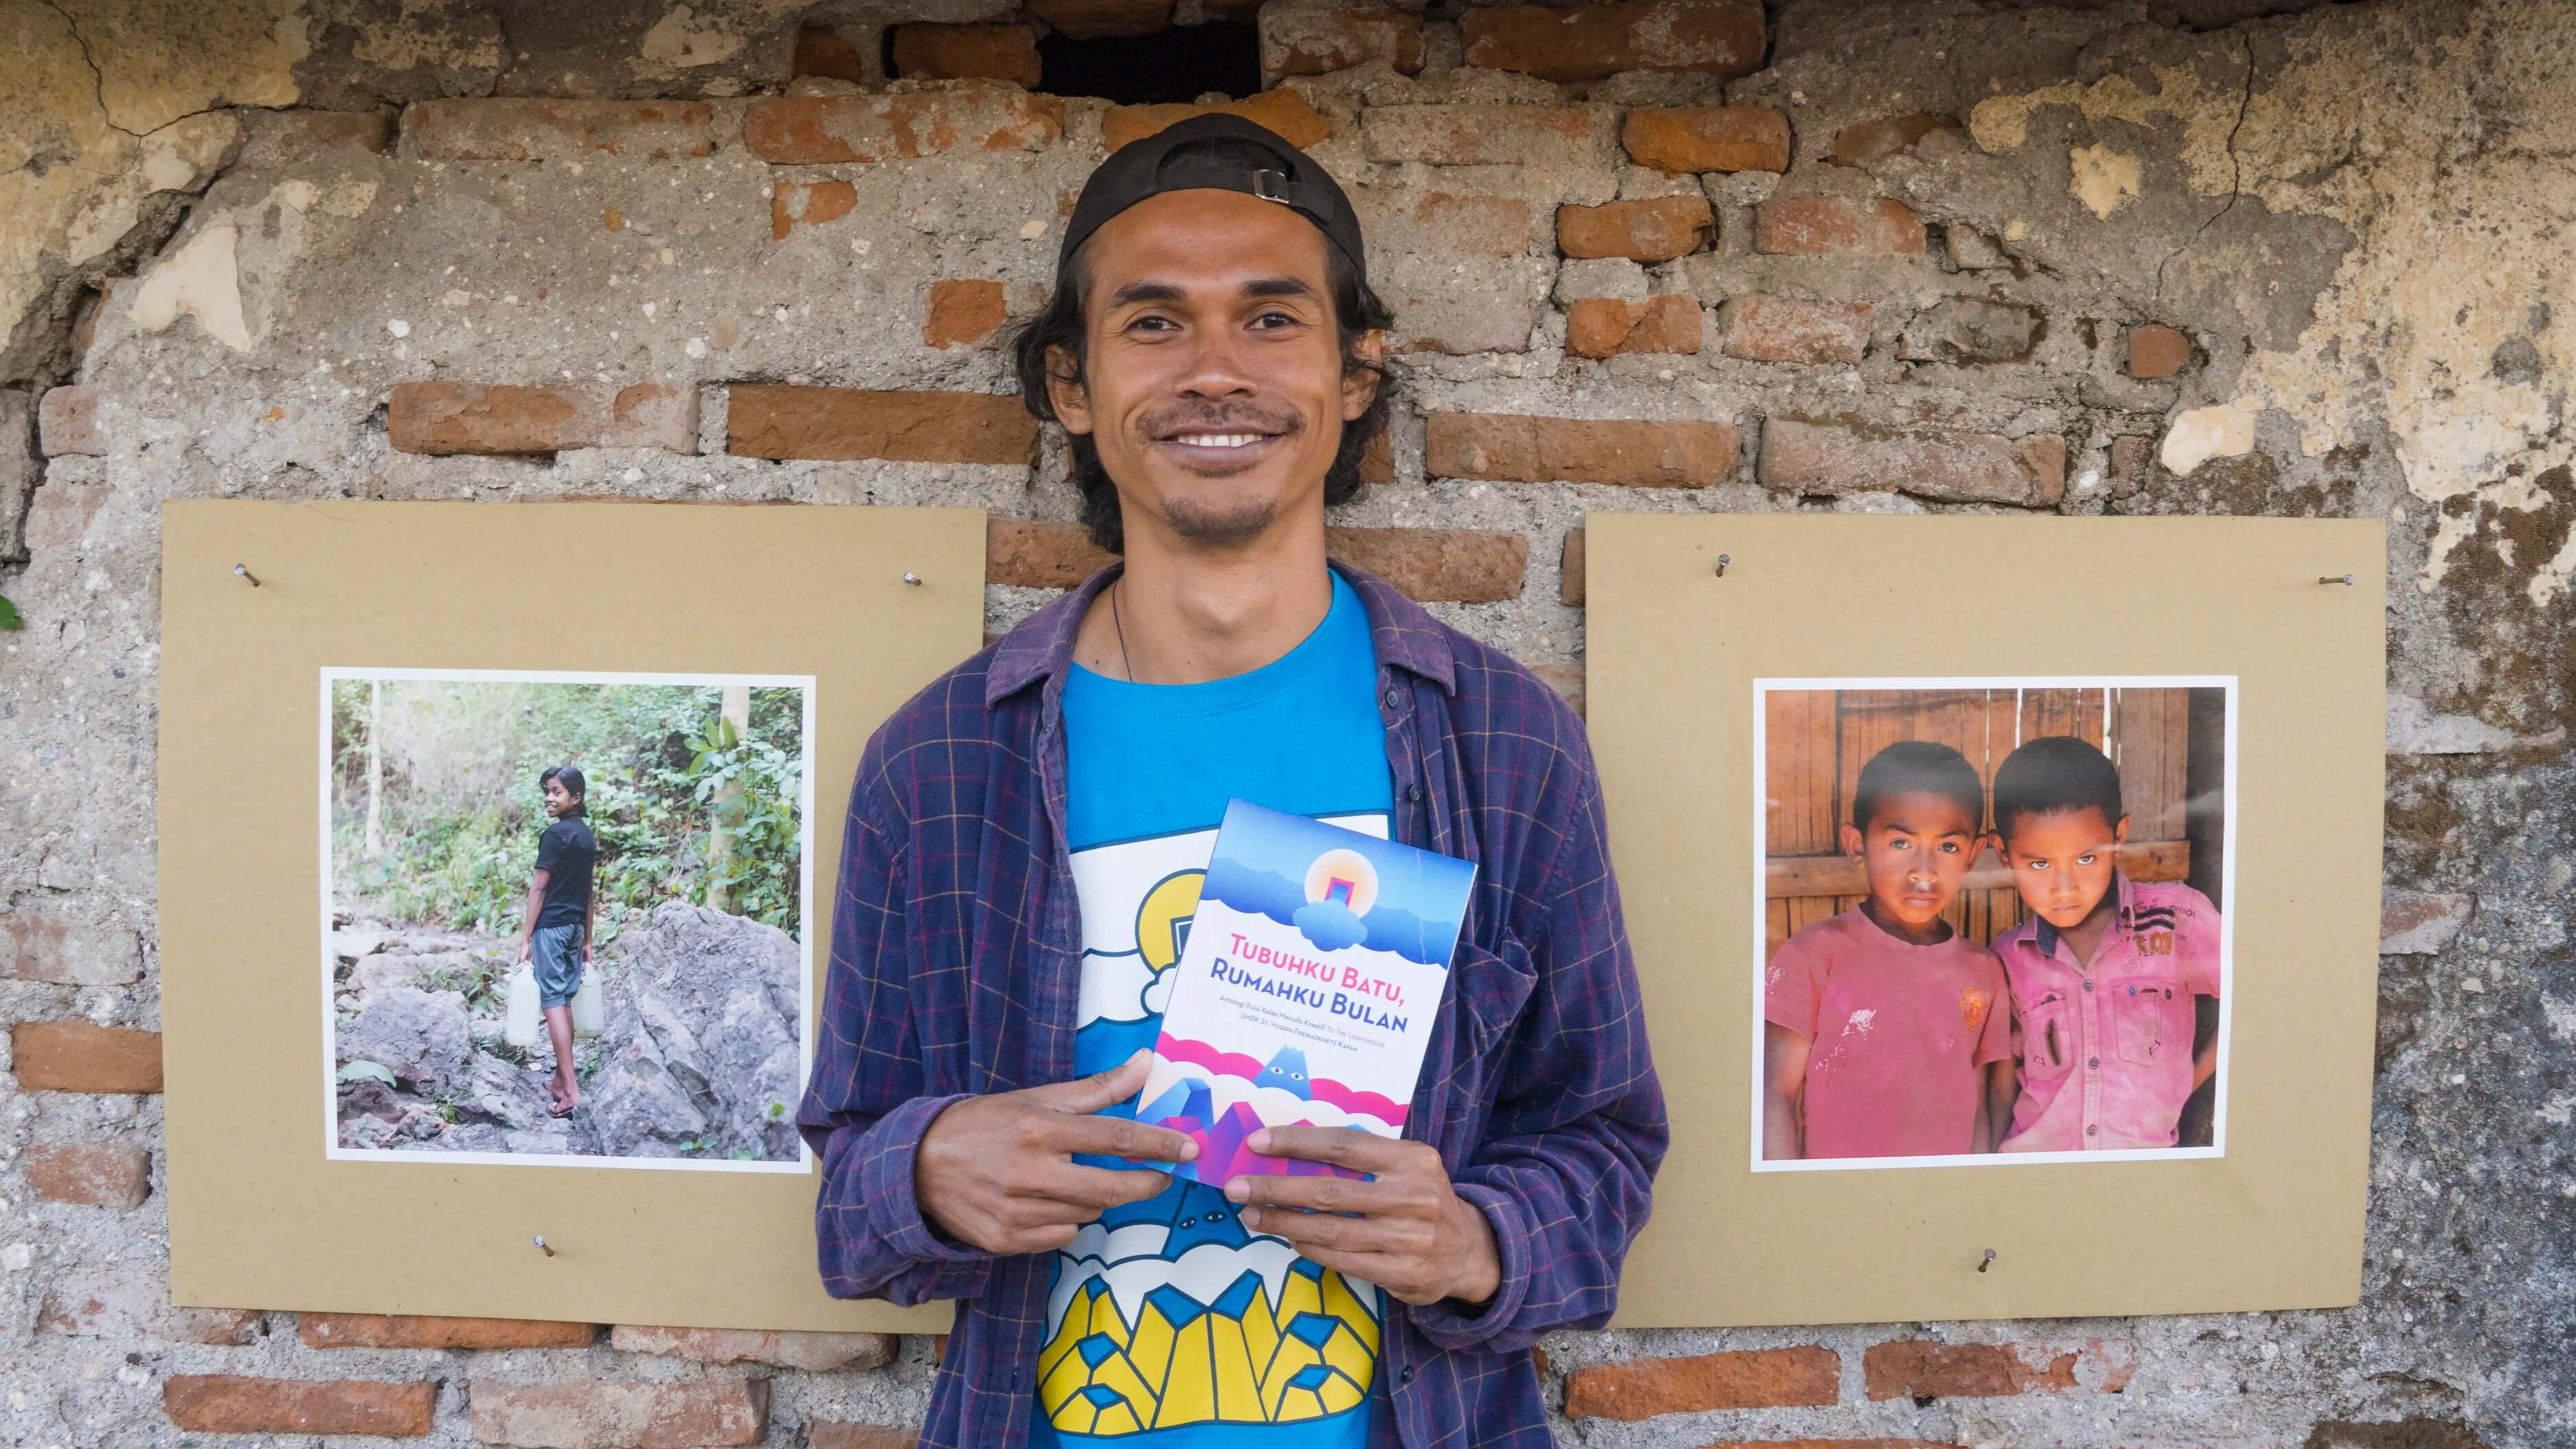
pixel 1885 1033
pixel 2105 972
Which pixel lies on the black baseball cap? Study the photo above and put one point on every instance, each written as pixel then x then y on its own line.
pixel 1187 156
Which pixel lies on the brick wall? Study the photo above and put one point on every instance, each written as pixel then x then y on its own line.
pixel 2189 257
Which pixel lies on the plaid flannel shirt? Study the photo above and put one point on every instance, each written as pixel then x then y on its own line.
pixel 955 968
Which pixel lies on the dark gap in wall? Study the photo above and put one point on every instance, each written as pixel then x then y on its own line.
pixel 1178 64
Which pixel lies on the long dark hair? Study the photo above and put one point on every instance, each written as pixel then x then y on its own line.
pixel 1356 312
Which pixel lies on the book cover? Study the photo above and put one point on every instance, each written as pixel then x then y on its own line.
pixel 1307 987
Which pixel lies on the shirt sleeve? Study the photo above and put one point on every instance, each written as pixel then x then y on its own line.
pixel 1789 987
pixel 1566 1170
pixel 550 846
pixel 2198 940
pixel 864 1111
pixel 1995 1036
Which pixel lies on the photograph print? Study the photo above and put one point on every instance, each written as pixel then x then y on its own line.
pixel 1991 920
pixel 565 917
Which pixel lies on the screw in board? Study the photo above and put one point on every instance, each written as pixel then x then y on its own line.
pixel 541 1244
pixel 245 572
pixel 1987 1262
pixel 2335 579
pixel 1722 562
pixel 912 578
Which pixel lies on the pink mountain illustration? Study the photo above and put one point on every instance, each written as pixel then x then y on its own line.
pixel 1321 1089
pixel 1222 1154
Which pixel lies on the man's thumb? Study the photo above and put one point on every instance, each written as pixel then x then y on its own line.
pixel 1118 1084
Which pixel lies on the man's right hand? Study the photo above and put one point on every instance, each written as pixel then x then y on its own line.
pixel 996 1171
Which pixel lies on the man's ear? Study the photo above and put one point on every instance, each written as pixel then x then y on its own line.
pixel 2120 832
pixel 1065 393
pixel 1359 384
pixel 1853 845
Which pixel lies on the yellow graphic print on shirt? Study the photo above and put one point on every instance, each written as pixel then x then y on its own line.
pixel 1167 1312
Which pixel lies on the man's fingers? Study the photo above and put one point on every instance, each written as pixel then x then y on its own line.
pixel 1341 1146
pixel 1120 1083
pixel 1326 1194
pixel 1095 1188
pixel 1120 1137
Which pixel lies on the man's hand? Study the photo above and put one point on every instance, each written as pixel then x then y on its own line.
pixel 1414 1236
pixel 996 1172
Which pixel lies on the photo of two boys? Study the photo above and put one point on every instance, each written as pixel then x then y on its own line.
pixel 1992 919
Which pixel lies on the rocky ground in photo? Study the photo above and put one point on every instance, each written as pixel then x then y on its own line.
pixel 698 1057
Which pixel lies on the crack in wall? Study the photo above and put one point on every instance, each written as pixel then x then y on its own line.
pixel 98 83
pixel 2236 182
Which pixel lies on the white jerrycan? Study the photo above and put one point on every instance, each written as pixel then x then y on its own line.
pixel 524 1016
pixel 588 1012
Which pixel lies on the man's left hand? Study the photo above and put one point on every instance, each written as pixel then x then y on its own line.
pixel 1413 1236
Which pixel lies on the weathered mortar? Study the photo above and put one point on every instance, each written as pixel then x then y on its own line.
pixel 2355 213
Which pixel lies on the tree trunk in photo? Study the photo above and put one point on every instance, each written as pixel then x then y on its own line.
pixel 375 770
pixel 727 815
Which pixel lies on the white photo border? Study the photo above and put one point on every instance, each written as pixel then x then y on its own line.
pixel 1760 792
pixel 804 1163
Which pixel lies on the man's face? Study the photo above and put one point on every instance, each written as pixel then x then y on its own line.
pixel 1916 851
pixel 2061 861
pixel 558 799
pixel 1214 387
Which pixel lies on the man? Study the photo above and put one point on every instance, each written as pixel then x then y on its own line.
pixel 1024 847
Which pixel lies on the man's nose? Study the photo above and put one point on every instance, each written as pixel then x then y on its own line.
pixel 1216 365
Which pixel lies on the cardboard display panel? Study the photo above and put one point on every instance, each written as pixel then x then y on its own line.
pixel 259 1217
pixel 1810 616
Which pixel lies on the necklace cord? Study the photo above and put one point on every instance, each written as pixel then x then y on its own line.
pixel 1121 627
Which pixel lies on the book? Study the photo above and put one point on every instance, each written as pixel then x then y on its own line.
pixel 1307 987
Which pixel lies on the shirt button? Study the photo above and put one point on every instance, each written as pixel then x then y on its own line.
pixel 2088 985
pixel 2093 1064
pixel 1407 1375
pixel 1394 698
pixel 1413 792
pixel 2089 1131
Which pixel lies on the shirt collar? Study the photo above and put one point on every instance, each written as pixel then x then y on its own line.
pixel 1402 632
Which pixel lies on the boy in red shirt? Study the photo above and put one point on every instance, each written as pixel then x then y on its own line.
pixel 2105 971
pixel 1884 1031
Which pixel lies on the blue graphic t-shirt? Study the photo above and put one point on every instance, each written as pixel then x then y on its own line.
pixel 1168 1326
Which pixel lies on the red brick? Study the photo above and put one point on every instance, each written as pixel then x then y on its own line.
pixel 74 1056
pixel 1606 326
pixel 1762 1378
pixel 965 116
pixel 1303 40
pixel 1087 19
pixel 2420 923
pixel 1707 138
pixel 1654 230
pixel 1845 456
pixel 962 313
pixel 1488 135
pixel 910 427
pixel 832 1434
pixel 1862 142
pixel 273 139
pixel 1285 112
pixel 1782 329
pixel 1592 41
pixel 653 415
pixel 678 1414
pixel 1455 565
pixel 228 1404
pixel 967 52
pixel 508 418
pixel 822 50
pixel 125 1306
pixel 1926 1368
pixel 1377 461
pixel 106 1174
pixel 67 952
pixel 1032 554
pixel 808 203
pixel 67 423
pixel 812 1351
pixel 2153 351
pixel 1815 225
pixel 404 1330
pixel 1518 448
pixel 1570 565
pixel 555 130
pixel 1399 220
pixel 57 517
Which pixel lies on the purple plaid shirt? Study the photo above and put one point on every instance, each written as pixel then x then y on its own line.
pixel 956 964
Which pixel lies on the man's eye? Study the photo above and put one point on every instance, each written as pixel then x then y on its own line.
pixel 2039 865
pixel 1158 321
pixel 1949 847
pixel 1280 316
pixel 2086 859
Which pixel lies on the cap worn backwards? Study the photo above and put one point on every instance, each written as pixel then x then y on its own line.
pixel 1181 158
